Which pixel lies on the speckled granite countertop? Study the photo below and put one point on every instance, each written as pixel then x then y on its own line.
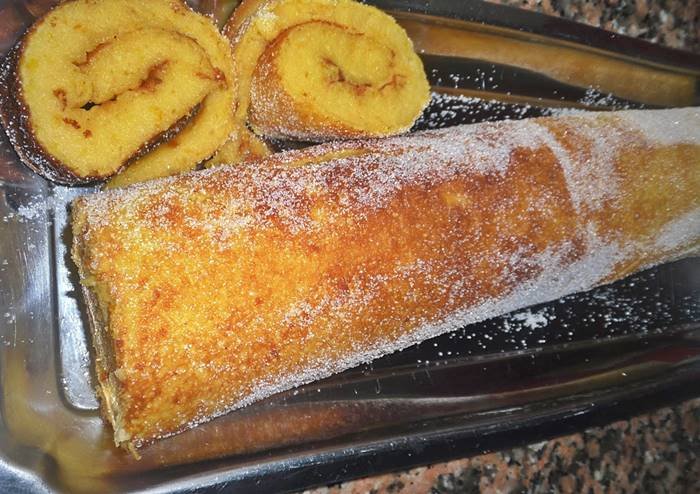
pixel 656 452
pixel 673 23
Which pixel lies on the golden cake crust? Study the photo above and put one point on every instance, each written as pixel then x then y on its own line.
pixel 15 117
pixel 19 115
pixel 271 102
pixel 224 286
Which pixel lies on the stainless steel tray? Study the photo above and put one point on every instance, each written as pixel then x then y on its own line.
pixel 585 359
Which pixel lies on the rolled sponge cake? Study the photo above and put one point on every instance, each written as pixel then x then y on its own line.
pixel 94 86
pixel 325 69
pixel 320 70
pixel 214 289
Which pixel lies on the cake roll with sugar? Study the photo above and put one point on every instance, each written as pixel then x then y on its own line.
pixel 214 289
pixel 94 87
pixel 320 70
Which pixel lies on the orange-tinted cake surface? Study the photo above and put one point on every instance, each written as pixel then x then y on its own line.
pixel 96 86
pixel 320 70
pixel 218 288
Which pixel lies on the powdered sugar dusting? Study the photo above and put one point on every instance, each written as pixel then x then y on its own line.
pixel 445 110
pixel 371 180
pixel 680 126
pixel 589 185
pixel 579 276
pixel 279 191
pixel 682 231
pixel 532 320
pixel 35 209
pixel 482 149
pixel 307 207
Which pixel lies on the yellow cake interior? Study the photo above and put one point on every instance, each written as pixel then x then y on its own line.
pixel 326 41
pixel 358 79
pixel 242 146
pixel 107 81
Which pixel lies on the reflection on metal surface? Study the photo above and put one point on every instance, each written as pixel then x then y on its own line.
pixel 492 80
pixel 612 345
pixel 567 64
pixel 76 379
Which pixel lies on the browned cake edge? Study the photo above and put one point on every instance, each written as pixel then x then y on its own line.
pixel 16 119
pixel 107 389
pixel 305 376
